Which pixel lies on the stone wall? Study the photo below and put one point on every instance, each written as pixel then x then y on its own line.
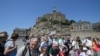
pixel 84 34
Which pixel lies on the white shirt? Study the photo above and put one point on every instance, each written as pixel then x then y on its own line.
pixel 19 53
pixel 50 41
pixel 10 43
pixel 74 43
pixel 83 54
pixel 72 53
pixel 61 42
pixel 89 52
pixel 41 54
pixel 88 43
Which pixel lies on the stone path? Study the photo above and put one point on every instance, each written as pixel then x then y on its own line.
pixel 20 43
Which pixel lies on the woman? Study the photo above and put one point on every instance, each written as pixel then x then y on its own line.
pixel 63 52
pixel 72 51
pixel 96 47
pixel 10 46
pixel 44 51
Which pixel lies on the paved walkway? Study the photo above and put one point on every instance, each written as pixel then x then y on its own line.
pixel 20 43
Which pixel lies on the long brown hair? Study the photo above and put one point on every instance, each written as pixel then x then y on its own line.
pixel 14 36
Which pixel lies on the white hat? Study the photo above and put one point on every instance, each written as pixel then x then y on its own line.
pixel 84 48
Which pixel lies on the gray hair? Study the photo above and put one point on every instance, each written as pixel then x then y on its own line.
pixel 33 39
pixel 2 34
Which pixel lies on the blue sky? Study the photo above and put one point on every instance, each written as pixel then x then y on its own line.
pixel 23 13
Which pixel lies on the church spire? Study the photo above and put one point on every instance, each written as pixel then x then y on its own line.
pixel 54 9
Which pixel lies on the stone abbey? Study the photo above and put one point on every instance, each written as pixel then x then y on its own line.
pixel 53 22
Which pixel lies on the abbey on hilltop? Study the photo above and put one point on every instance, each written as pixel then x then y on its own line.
pixel 52 16
pixel 52 21
pixel 56 21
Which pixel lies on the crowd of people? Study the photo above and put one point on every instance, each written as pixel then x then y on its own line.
pixel 8 47
pixel 49 45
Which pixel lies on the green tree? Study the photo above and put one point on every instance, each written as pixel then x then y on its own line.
pixel 65 23
pixel 44 19
pixel 72 21
pixel 55 22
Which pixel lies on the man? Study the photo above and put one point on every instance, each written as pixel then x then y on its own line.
pixel 29 50
pixel 88 42
pixel 3 37
pixel 54 50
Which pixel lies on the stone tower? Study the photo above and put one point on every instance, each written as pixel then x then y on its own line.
pixel 54 13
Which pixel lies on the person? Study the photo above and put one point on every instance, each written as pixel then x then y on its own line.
pixel 79 41
pixel 41 37
pixel 44 43
pixel 26 39
pixel 44 51
pixel 54 50
pixel 88 42
pixel 29 50
pixel 75 44
pixel 3 37
pixel 63 52
pixel 84 52
pixel 72 51
pixel 61 42
pixel 90 52
pixel 10 46
pixel 67 44
pixel 95 46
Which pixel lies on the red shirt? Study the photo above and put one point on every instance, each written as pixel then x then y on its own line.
pixel 62 53
pixel 95 47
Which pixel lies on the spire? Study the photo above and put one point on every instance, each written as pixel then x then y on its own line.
pixel 54 9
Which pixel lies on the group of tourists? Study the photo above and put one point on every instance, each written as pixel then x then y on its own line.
pixel 49 45
pixel 8 47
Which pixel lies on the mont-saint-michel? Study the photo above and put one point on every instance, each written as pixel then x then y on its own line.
pixel 58 22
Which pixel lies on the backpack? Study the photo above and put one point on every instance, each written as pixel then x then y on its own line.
pixel 26 49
